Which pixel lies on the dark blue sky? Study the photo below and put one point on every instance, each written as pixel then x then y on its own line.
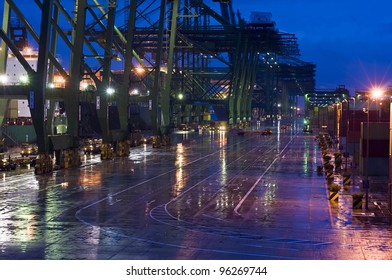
pixel 349 41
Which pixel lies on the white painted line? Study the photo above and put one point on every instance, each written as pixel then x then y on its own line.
pixel 259 179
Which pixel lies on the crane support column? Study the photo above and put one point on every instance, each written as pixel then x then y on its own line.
pixel 156 91
pixel 106 99
pixel 37 95
pixel 71 98
pixel 123 98
pixel 165 97
pixel 248 85
pixel 235 83
pixel 3 57
pixel 241 84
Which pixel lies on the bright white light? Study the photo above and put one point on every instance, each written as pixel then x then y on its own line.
pixel 110 91
pixel 51 85
pixel 3 79
pixel 24 79
pixel 84 85
pixel 180 96
pixel 134 92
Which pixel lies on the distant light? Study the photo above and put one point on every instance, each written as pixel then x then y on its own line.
pixel 24 79
pixel 51 85
pixel 134 92
pixel 110 91
pixel 140 70
pixel 180 96
pixel 377 92
pixel 3 79
pixel 84 86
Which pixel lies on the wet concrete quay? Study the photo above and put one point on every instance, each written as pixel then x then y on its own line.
pixel 210 195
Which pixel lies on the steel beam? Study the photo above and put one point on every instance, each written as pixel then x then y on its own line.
pixel 106 99
pixel 37 95
pixel 165 97
pixel 157 91
pixel 3 56
pixel 71 100
pixel 123 96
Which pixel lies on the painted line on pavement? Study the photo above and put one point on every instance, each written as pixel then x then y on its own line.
pixel 259 179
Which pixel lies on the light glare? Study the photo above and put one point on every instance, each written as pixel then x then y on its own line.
pixel 377 92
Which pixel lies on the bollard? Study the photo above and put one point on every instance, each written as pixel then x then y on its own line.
pixel 107 151
pixel 357 200
pixel 156 143
pixel 123 149
pixel 43 164
pixel 346 179
pixel 333 191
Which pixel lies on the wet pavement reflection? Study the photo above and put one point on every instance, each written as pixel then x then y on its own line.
pixel 211 195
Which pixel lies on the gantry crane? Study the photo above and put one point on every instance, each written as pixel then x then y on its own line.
pixel 177 57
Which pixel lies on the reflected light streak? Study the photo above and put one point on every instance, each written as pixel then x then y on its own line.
pixel 93 237
pixel 223 161
pixel 305 158
pixel 270 194
pixel 222 139
pixel 315 156
pixel 5 234
pixel 89 178
pixel 180 162
pixel 223 167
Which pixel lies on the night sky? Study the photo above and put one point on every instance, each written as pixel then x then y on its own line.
pixel 349 41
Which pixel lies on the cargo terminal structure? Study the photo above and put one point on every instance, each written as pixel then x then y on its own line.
pixel 92 78
pixel 360 125
pixel 163 63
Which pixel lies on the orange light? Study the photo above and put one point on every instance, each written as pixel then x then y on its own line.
pixel 377 92
pixel 139 70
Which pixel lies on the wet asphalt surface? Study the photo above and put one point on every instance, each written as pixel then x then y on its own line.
pixel 207 196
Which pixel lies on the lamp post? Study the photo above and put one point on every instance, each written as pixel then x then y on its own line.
pixel 339 124
pixel 347 131
pixel 376 93
pixel 354 152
